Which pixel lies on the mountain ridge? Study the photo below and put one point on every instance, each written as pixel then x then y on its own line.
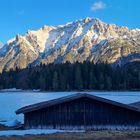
pixel 83 40
pixel 1 45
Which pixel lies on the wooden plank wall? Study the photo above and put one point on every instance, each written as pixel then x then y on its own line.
pixel 83 113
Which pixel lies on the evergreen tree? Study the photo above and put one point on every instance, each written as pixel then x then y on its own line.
pixel 78 78
pixel 55 81
pixel 108 83
pixel 101 82
pixel 42 82
pixel 92 80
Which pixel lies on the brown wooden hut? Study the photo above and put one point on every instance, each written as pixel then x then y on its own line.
pixel 80 111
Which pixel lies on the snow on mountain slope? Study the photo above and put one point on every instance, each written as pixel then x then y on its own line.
pixel 1 45
pixel 83 40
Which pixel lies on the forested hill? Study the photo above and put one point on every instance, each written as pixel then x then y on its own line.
pixel 78 76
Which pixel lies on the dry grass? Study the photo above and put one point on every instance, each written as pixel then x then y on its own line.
pixel 5 128
pixel 94 135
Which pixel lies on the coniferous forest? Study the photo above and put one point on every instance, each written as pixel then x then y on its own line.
pixel 78 76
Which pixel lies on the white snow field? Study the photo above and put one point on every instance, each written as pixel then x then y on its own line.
pixel 11 101
pixel 33 132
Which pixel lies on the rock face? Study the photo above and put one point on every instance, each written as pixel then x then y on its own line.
pixel 84 40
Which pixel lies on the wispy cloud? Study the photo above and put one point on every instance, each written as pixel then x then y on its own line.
pixel 98 6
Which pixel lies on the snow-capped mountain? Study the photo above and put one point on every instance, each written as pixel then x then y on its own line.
pixel 1 45
pixel 83 40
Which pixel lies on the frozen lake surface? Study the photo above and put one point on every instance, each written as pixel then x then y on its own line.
pixel 11 101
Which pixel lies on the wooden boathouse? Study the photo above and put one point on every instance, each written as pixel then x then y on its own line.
pixel 80 111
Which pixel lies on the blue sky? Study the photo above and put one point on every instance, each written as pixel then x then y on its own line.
pixel 17 16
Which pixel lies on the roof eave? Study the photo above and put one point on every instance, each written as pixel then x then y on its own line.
pixel 42 105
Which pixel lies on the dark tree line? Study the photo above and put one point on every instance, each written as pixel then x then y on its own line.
pixel 79 76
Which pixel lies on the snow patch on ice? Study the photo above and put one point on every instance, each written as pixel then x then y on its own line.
pixel 11 89
pixel 10 123
pixel 34 132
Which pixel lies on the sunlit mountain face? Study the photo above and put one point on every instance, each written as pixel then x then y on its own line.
pixel 83 40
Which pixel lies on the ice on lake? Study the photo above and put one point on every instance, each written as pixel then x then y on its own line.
pixel 11 101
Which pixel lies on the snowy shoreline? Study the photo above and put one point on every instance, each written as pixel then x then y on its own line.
pixel 18 90
pixel 34 132
pixel 38 90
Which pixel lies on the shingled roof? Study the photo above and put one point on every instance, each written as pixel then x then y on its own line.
pixel 64 99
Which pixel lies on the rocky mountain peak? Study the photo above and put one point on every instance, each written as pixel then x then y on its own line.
pixel 83 40
pixel 47 28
